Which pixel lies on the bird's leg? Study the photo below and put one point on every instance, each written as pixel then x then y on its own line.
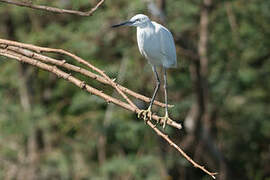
pixel 147 114
pixel 166 117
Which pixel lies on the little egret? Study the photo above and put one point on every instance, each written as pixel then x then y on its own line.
pixel 156 44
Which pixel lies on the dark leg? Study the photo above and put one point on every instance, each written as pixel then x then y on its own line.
pixel 166 91
pixel 156 88
pixel 148 113
pixel 166 117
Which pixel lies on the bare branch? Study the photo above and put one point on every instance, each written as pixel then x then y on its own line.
pixel 9 49
pixel 8 46
pixel 54 9
pixel 166 137
pixel 64 75
pixel 83 71
pixel 80 60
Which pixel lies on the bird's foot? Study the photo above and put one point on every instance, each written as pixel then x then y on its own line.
pixel 146 114
pixel 164 119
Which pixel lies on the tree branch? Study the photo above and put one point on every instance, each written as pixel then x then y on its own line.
pixel 80 60
pixel 54 9
pixel 12 47
pixel 166 137
pixel 9 49
pixel 21 52
pixel 83 71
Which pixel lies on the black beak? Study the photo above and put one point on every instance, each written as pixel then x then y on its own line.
pixel 127 23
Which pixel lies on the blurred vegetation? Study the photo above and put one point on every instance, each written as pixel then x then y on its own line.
pixel 50 129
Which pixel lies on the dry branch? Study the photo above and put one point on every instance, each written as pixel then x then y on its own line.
pixel 80 60
pixel 166 137
pixel 64 75
pixel 54 9
pixel 23 53
pixel 8 45
pixel 83 71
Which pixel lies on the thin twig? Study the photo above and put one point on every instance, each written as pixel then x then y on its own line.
pixel 166 137
pixel 83 85
pixel 54 9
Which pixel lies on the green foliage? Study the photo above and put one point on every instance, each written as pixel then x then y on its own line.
pixel 79 143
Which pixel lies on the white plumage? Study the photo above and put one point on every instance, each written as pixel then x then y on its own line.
pixel 156 44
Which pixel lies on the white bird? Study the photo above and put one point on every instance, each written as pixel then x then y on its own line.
pixel 156 44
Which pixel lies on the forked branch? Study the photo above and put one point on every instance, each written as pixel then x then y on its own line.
pixel 31 54
pixel 53 9
pixel 27 50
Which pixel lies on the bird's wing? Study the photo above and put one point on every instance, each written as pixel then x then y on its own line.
pixel 167 46
pixel 140 40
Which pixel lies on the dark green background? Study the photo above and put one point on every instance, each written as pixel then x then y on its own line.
pixel 67 133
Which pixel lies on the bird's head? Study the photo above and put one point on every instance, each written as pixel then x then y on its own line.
pixel 139 20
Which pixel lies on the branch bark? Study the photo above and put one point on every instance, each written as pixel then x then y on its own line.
pixel 54 9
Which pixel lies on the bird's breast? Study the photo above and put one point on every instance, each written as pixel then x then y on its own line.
pixel 149 45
